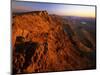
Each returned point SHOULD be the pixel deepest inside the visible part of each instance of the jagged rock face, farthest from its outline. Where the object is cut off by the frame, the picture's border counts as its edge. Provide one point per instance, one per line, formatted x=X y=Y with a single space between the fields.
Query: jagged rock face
x=41 y=45
x=30 y=25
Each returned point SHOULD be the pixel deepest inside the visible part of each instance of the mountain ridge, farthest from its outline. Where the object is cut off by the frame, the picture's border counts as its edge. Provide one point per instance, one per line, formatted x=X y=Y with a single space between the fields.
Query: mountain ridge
x=41 y=45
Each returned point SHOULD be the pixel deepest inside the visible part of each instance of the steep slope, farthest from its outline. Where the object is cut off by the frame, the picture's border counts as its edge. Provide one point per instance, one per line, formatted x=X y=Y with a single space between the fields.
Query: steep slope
x=40 y=44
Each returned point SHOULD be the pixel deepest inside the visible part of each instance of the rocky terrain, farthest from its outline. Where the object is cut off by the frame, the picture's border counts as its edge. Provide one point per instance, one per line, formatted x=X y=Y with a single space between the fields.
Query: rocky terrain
x=45 y=43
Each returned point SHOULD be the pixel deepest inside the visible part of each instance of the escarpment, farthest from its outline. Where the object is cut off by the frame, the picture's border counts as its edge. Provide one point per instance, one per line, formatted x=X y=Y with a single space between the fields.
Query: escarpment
x=40 y=44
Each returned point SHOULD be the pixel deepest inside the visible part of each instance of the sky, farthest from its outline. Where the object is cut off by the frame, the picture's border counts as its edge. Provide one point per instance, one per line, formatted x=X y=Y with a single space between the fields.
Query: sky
x=51 y=8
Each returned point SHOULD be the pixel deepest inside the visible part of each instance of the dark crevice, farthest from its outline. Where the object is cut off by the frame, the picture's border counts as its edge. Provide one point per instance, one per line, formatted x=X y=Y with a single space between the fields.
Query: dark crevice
x=27 y=50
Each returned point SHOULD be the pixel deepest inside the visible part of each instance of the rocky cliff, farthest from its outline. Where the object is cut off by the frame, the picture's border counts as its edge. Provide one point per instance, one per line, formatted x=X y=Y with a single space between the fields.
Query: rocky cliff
x=40 y=44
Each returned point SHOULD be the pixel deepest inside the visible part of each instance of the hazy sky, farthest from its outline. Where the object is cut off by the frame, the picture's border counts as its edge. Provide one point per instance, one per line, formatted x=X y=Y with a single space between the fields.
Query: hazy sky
x=59 y=9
